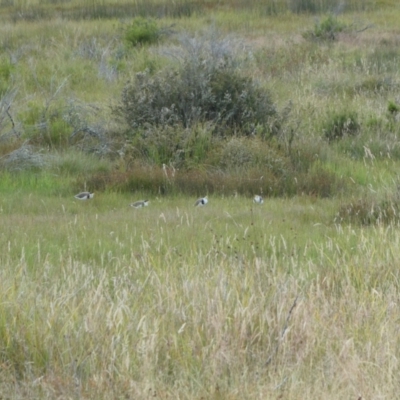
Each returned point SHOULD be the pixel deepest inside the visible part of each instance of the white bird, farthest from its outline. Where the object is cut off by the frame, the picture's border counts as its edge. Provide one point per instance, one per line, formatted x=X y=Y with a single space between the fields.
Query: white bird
x=258 y=199
x=84 y=196
x=202 y=201
x=140 y=204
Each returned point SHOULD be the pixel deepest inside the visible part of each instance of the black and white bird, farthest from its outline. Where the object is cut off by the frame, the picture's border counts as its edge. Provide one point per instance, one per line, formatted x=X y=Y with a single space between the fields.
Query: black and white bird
x=202 y=201
x=258 y=199
x=140 y=204
x=84 y=196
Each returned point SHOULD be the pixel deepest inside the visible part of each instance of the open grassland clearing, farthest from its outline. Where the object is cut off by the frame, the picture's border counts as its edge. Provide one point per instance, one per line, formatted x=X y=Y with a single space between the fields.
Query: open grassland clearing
x=100 y=300
x=296 y=298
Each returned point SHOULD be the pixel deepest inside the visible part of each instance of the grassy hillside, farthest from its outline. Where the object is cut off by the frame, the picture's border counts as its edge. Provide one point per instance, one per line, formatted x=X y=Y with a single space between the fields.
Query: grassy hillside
x=295 y=298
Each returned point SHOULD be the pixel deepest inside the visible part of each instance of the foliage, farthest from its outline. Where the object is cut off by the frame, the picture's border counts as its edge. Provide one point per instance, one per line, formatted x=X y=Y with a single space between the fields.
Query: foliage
x=192 y=95
x=327 y=29
x=393 y=107
x=199 y=92
x=142 y=31
x=341 y=124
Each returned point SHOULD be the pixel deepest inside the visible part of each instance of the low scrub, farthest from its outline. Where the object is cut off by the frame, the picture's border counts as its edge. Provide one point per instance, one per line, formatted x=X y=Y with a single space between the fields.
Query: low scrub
x=192 y=95
x=327 y=29
x=341 y=124
x=142 y=31
x=26 y=157
x=207 y=86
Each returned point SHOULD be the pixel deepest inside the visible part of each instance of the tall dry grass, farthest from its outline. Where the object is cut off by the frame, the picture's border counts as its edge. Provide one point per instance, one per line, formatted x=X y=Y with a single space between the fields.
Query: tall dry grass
x=99 y=300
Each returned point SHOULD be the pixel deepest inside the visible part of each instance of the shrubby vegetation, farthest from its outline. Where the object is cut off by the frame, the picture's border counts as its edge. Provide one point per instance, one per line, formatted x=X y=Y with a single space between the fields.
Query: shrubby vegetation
x=326 y=29
x=341 y=124
x=207 y=101
x=142 y=31
x=234 y=300
x=206 y=87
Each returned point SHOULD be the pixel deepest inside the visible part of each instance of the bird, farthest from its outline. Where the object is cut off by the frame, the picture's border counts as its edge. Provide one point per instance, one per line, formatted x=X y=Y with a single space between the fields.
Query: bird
x=140 y=204
x=202 y=201
x=84 y=196
x=258 y=199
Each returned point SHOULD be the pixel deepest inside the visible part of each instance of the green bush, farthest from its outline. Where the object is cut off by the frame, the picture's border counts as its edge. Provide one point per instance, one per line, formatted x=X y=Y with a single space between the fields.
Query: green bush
x=193 y=94
x=327 y=29
x=393 y=107
x=341 y=124
x=142 y=31
x=207 y=86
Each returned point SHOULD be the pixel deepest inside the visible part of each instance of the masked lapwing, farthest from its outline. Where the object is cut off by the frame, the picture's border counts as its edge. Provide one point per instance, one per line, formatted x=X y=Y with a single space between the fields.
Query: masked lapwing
x=258 y=199
x=84 y=196
x=202 y=201
x=140 y=204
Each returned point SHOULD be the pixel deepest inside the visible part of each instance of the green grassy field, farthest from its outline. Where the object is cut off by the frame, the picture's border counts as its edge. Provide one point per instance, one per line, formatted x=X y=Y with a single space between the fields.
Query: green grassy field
x=231 y=300
x=292 y=299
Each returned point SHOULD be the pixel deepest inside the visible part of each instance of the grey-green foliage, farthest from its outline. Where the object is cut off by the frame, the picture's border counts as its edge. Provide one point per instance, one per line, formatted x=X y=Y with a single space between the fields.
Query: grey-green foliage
x=25 y=157
x=207 y=86
x=327 y=29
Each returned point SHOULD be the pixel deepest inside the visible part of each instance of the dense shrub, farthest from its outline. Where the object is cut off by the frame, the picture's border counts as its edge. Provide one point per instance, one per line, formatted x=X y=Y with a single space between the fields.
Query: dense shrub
x=327 y=29
x=142 y=31
x=207 y=86
x=194 y=94
x=393 y=107
x=340 y=124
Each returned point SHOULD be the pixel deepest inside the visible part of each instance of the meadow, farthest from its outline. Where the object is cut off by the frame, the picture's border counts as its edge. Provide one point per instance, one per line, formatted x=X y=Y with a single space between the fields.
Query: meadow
x=291 y=299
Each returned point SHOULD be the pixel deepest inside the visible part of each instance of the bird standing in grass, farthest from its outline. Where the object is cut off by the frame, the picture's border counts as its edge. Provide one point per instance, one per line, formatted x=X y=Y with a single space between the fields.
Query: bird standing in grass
x=140 y=204
x=258 y=199
x=84 y=196
x=202 y=201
